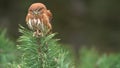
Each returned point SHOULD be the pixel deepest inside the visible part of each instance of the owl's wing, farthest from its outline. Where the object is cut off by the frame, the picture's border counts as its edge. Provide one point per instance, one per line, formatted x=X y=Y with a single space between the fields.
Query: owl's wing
x=29 y=16
x=49 y=15
x=26 y=18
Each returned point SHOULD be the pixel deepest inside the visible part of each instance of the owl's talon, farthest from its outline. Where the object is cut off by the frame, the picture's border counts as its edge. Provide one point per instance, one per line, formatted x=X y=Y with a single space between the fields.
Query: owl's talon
x=37 y=34
x=40 y=34
x=34 y=34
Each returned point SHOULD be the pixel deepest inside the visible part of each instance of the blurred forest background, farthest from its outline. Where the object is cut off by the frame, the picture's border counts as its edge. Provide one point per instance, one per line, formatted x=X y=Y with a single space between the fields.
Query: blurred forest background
x=78 y=22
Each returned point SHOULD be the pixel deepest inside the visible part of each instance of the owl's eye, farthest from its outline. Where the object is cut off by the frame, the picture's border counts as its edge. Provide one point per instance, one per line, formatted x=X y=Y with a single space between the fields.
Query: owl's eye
x=39 y=9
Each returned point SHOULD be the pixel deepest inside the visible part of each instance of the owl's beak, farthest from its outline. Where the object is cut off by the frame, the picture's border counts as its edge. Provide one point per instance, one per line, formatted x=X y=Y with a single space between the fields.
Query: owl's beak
x=35 y=12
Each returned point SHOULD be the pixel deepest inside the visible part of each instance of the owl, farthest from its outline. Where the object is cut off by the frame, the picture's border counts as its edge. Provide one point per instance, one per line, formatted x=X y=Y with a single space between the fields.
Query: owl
x=39 y=19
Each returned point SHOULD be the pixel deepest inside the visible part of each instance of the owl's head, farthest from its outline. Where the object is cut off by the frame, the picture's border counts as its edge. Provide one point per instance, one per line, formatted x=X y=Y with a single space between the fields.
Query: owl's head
x=37 y=8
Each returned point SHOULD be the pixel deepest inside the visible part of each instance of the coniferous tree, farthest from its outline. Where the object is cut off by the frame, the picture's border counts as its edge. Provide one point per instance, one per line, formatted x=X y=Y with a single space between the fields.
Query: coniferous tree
x=41 y=52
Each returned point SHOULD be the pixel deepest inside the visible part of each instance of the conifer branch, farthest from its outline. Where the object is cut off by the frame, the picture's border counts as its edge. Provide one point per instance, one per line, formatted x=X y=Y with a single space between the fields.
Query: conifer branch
x=43 y=52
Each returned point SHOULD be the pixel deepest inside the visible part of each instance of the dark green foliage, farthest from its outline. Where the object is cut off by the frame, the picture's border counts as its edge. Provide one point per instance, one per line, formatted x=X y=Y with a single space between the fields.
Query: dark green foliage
x=43 y=52
x=88 y=58
x=46 y=52
x=7 y=50
x=109 y=61
x=91 y=59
